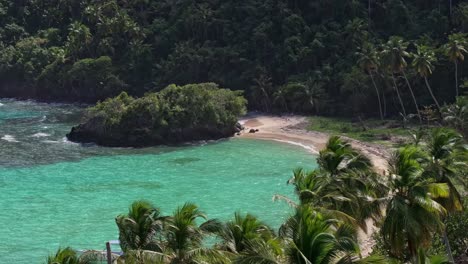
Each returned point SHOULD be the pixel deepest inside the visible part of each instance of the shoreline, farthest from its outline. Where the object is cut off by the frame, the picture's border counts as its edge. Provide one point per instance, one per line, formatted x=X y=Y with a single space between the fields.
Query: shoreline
x=292 y=130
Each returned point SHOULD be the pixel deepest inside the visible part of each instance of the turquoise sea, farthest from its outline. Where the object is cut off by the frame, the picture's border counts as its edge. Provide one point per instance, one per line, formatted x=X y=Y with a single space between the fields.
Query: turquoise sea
x=57 y=193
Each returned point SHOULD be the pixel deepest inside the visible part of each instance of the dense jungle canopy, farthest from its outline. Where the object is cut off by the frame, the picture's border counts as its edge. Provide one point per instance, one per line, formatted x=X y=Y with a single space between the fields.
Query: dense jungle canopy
x=331 y=57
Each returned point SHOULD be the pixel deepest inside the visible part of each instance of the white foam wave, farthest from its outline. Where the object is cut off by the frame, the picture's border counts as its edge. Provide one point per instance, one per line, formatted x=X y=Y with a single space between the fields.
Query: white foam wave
x=66 y=141
x=51 y=141
x=308 y=148
x=1 y=104
x=9 y=138
x=38 y=135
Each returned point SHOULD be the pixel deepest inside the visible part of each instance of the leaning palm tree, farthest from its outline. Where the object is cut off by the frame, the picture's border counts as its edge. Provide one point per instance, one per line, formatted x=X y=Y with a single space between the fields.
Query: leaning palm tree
x=386 y=61
x=412 y=213
x=350 y=197
x=138 y=229
x=455 y=50
x=311 y=237
x=394 y=55
x=344 y=186
x=446 y=163
x=368 y=61
x=423 y=62
x=185 y=237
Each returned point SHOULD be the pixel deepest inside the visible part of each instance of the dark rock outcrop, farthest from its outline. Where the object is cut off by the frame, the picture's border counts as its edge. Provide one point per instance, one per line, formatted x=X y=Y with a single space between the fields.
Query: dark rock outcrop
x=92 y=132
x=239 y=127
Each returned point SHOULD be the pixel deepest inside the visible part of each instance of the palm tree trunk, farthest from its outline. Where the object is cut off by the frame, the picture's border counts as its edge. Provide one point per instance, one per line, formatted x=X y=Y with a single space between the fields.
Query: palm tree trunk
x=398 y=94
x=384 y=100
x=413 y=251
x=432 y=94
x=450 y=9
x=414 y=98
x=456 y=78
x=369 y=13
x=378 y=95
x=266 y=100
x=447 y=246
x=384 y=104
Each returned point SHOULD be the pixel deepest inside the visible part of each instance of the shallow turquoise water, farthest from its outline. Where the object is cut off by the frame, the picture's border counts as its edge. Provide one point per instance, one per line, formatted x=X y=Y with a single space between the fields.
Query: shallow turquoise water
x=61 y=194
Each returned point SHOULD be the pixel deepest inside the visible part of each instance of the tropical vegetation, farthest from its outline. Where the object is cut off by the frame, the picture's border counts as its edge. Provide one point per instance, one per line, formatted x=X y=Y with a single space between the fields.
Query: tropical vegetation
x=417 y=205
x=174 y=115
x=333 y=57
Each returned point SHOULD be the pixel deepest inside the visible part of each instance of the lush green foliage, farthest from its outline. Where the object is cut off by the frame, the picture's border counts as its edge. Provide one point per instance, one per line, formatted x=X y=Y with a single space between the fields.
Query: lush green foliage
x=66 y=255
x=324 y=56
x=175 y=107
x=69 y=256
x=173 y=115
x=139 y=226
x=456 y=227
x=418 y=201
x=372 y=130
x=456 y=114
x=413 y=215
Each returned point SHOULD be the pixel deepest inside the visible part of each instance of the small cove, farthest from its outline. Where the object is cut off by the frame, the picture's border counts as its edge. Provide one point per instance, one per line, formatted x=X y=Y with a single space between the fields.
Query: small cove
x=56 y=193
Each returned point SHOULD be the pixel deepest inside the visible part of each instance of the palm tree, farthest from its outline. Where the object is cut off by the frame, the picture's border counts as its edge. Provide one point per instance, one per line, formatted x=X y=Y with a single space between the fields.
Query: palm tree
x=455 y=50
x=423 y=62
x=369 y=12
x=423 y=258
x=261 y=252
x=241 y=232
x=69 y=256
x=344 y=186
x=386 y=61
x=339 y=156
x=64 y=256
x=142 y=257
x=412 y=213
x=447 y=161
x=79 y=35
x=185 y=237
x=350 y=197
x=450 y=8
x=306 y=96
x=395 y=54
x=456 y=114
x=368 y=62
x=139 y=228
x=262 y=91
x=250 y=241
x=279 y=99
x=310 y=237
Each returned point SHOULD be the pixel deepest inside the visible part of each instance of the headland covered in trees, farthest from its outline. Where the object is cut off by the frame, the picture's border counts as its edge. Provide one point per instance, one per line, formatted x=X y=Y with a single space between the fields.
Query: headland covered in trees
x=172 y=116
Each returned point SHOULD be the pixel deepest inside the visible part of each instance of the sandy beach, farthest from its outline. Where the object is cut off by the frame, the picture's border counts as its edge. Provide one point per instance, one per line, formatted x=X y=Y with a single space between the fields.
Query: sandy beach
x=292 y=130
